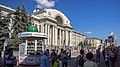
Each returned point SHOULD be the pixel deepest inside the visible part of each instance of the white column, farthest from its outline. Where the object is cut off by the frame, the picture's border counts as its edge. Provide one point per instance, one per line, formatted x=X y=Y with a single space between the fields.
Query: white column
x=26 y=47
x=63 y=38
x=53 y=35
x=66 y=43
x=56 y=36
x=35 y=45
x=43 y=45
x=48 y=33
x=60 y=36
x=70 y=39
x=42 y=28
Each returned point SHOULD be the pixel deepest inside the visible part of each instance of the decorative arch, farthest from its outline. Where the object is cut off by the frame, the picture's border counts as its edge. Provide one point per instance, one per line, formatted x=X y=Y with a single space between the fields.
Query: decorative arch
x=59 y=20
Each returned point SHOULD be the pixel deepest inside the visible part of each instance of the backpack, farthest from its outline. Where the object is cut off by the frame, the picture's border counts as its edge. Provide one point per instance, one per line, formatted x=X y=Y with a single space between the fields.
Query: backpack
x=81 y=60
x=53 y=55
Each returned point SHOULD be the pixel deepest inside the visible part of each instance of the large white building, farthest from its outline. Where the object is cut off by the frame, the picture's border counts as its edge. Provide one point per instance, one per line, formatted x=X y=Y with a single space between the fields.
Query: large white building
x=58 y=29
x=56 y=26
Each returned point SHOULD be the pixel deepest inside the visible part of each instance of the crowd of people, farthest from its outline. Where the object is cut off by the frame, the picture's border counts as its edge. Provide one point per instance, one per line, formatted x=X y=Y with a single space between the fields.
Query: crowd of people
x=61 y=58
x=57 y=59
x=110 y=56
x=89 y=59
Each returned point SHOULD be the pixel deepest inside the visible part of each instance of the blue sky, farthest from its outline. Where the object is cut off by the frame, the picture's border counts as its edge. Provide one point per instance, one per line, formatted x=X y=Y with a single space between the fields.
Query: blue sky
x=100 y=17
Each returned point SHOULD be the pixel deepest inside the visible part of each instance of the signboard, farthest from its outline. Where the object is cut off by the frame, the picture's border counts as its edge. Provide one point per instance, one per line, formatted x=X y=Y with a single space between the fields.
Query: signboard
x=32 y=34
x=22 y=49
x=30 y=60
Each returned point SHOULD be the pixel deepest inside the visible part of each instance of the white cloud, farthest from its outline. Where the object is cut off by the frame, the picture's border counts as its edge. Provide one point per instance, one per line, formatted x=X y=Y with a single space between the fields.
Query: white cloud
x=88 y=32
x=45 y=3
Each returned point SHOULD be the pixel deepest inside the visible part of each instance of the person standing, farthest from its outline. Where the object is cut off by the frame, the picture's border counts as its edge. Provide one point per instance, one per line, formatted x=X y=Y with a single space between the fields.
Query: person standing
x=44 y=62
x=98 y=55
x=80 y=59
x=103 y=52
x=113 y=59
x=89 y=62
x=107 y=57
x=48 y=53
x=1 y=59
x=10 y=59
x=64 y=59
x=53 y=56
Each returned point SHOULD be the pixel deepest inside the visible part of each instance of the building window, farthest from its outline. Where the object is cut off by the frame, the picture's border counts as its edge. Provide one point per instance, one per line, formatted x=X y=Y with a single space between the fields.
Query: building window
x=39 y=28
x=59 y=20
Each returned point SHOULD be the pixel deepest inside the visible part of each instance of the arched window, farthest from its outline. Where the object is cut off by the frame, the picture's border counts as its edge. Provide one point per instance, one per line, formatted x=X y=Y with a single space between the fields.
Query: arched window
x=59 y=20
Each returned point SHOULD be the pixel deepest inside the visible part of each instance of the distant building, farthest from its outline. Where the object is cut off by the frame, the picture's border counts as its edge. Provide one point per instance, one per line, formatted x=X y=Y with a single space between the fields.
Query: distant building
x=93 y=43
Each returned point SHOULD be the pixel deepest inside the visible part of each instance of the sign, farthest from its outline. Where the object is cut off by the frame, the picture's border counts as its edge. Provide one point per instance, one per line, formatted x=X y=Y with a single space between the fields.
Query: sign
x=30 y=60
x=22 y=49
x=32 y=34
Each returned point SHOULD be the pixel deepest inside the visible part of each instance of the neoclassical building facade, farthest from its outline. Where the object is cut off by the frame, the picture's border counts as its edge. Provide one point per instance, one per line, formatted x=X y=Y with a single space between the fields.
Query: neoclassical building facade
x=58 y=29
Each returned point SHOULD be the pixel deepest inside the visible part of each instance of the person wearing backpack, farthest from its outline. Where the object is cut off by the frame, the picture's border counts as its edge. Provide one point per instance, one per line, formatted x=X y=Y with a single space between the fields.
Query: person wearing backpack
x=64 y=59
x=57 y=62
x=10 y=59
x=53 y=56
x=89 y=62
x=80 y=59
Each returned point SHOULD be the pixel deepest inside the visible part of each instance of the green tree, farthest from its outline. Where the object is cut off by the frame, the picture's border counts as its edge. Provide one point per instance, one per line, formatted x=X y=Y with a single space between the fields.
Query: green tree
x=81 y=44
x=16 y=27
x=25 y=18
x=22 y=19
x=4 y=26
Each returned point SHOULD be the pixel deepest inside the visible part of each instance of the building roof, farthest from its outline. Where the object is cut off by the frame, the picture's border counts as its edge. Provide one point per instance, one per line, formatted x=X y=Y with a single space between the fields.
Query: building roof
x=6 y=8
x=52 y=14
x=94 y=38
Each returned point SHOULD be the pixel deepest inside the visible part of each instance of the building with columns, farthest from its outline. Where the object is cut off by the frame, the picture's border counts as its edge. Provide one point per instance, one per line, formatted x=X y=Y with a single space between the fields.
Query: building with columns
x=58 y=29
